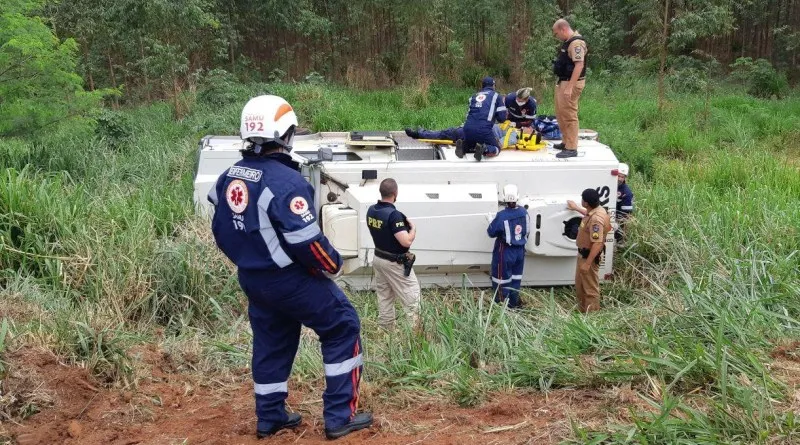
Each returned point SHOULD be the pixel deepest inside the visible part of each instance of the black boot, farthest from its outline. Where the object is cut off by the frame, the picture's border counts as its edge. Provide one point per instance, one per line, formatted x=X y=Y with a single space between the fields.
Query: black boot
x=560 y=146
x=412 y=133
x=359 y=422
x=265 y=430
x=460 y=148
x=567 y=154
x=480 y=150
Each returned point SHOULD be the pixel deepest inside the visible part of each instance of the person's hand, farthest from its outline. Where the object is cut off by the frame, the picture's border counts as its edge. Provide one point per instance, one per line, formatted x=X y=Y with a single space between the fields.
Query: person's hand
x=513 y=125
x=331 y=276
x=585 y=266
x=567 y=90
x=572 y=205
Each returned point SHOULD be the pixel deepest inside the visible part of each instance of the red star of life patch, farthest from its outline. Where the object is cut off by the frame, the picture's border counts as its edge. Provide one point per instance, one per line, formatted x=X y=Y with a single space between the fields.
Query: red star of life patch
x=237 y=196
x=298 y=205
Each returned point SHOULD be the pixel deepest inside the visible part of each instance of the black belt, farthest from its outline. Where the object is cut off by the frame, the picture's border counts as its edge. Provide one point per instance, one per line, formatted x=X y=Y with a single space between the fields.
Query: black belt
x=584 y=253
x=388 y=256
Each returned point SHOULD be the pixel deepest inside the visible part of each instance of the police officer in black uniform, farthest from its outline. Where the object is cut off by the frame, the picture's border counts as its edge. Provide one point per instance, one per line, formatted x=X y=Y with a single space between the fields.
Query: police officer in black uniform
x=393 y=235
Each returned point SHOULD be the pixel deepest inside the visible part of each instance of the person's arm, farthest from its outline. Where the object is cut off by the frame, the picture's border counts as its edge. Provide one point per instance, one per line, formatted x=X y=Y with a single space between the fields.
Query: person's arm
x=597 y=238
x=500 y=111
x=405 y=232
x=577 y=51
x=531 y=114
x=296 y=220
x=495 y=228
x=573 y=206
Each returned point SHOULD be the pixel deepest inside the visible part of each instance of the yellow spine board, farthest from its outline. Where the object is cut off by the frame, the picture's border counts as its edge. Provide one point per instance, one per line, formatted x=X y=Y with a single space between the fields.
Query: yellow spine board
x=437 y=141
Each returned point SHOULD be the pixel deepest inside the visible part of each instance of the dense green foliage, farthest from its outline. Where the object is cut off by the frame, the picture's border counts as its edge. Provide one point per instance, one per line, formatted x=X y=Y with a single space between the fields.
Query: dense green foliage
x=159 y=48
x=39 y=86
x=100 y=245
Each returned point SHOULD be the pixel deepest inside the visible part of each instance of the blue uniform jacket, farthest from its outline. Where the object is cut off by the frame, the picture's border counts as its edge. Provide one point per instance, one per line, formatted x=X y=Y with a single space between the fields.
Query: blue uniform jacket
x=521 y=114
x=264 y=217
x=624 y=200
x=485 y=108
x=511 y=226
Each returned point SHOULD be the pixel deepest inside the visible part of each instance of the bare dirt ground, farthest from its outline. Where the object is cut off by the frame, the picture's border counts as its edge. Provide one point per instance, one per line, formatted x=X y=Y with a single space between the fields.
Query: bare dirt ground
x=169 y=408
x=176 y=408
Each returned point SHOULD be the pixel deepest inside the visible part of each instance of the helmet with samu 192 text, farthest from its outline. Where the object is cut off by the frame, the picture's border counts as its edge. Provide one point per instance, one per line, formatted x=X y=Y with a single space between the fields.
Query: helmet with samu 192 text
x=268 y=119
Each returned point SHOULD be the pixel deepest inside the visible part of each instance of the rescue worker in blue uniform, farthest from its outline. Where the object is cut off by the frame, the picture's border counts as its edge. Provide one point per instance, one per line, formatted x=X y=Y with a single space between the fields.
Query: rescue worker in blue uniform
x=521 y=108
x=624 y=203
x=506 y=138
x=510 y=228
x=448 y=134
x=265 y=222
x=485 y=108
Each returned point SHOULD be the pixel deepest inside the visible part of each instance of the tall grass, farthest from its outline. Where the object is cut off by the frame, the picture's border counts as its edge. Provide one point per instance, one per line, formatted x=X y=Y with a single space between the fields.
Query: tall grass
x=97 y=231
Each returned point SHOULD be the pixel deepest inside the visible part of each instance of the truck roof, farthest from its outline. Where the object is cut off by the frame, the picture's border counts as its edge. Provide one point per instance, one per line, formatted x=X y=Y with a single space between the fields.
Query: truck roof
x=408 y=149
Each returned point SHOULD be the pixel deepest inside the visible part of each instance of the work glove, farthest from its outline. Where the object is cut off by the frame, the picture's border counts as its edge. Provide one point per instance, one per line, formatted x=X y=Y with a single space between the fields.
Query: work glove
x=331 y=276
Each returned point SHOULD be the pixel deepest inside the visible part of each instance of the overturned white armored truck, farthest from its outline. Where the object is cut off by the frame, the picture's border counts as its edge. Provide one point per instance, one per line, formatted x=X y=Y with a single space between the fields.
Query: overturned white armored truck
x=451 y=200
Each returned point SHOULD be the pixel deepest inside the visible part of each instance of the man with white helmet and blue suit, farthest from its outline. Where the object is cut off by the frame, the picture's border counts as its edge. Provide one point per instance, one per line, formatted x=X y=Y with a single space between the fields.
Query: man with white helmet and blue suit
x=510 y=228
x=624 y=203
x=265 y=222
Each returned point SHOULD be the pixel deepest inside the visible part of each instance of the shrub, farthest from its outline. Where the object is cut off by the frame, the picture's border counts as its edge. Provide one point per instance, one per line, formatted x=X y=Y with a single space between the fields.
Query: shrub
x=760 y=77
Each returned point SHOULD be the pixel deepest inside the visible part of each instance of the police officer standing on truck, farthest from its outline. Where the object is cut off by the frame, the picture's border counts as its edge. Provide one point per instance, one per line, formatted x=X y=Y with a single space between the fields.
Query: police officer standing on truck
x=392 y=233
x=265 y=222
x=591 y=243
x=510 y=228
x=570 y=69
x=486 y=107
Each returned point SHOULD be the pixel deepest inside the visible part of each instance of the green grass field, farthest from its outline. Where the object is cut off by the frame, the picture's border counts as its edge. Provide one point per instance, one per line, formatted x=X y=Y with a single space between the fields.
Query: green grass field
x=100 y=252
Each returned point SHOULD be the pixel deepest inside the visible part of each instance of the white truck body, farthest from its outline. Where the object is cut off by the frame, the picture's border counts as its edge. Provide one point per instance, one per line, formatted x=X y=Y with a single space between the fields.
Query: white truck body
x=451 y=201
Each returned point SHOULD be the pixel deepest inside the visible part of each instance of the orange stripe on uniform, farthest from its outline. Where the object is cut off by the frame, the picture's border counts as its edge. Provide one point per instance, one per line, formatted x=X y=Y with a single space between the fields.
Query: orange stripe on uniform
x=317 y=256
x=325 y=255
x=355 y=376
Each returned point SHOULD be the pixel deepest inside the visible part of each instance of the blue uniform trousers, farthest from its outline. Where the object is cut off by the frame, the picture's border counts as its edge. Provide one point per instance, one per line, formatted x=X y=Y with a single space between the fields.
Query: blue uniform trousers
x=280 y=301
x=507 y=264
x=484 y=135
x=449 y=134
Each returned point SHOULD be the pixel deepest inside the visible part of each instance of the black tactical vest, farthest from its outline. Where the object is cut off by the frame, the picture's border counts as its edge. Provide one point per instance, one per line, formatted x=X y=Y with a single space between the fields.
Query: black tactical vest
x=563 y=66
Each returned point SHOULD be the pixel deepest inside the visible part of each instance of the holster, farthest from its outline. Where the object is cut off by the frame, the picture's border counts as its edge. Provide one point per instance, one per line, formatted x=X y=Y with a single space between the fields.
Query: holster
x=406 y=259
x=408 y=262
x=584 y=253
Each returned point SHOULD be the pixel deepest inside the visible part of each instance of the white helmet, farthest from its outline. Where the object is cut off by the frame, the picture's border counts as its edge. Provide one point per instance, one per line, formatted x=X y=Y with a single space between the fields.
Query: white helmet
x=510 y=193
x=624 y=169
x=268 y=119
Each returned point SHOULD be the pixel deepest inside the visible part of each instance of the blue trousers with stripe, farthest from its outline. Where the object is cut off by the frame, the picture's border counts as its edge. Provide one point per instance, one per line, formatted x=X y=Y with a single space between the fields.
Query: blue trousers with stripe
x=279 y=303
x=507 y=264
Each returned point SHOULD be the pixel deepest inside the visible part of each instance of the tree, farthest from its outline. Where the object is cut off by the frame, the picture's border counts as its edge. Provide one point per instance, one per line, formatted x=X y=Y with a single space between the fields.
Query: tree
x=39 y=85
x=667 y=27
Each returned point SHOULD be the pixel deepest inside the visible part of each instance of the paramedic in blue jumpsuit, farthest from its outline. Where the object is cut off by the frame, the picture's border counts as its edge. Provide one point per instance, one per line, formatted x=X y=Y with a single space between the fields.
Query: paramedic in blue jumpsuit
x=510 y=228
x=624 y=203
x=265 y=223
x=521 y=108
x=485 y=108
